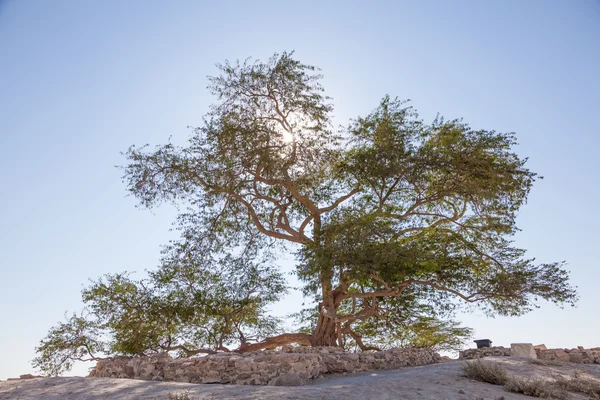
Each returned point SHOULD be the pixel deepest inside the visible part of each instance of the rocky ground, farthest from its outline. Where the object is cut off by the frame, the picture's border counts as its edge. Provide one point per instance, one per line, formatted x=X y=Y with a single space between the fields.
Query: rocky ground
x=434 y=382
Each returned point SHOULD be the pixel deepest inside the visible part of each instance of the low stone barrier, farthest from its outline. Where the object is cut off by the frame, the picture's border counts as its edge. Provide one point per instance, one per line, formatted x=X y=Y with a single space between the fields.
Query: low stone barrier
x=496 y=351
x=288 y=367
x=578 y=355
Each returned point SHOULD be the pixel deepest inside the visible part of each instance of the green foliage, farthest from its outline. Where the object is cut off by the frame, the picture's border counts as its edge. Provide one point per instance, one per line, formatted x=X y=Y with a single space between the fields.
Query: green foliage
x=77 y=339
x=227 y=297
x=183 y=308
x=418 y=331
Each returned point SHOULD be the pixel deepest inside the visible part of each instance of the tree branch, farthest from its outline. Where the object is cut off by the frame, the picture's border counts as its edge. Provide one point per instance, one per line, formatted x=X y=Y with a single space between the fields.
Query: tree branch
x=339 y=201
x=276 y=341
x=188 y=352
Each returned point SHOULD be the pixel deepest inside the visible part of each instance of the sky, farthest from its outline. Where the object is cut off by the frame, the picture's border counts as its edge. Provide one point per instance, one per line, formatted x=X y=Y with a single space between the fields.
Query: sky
x=81 y=81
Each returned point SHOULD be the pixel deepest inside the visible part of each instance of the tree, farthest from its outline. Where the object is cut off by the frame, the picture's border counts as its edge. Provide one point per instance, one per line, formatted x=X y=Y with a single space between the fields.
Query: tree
x=77 y=339
x=395 y=224
x=388 y=209
x=183 y=308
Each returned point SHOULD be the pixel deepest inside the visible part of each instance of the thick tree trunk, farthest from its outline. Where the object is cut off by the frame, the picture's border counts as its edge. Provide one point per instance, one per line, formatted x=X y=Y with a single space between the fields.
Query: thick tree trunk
x=326 y=331
x=325 y=334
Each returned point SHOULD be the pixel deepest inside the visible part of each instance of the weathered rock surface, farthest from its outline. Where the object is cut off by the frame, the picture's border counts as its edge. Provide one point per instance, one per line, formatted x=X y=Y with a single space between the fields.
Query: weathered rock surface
x=289 y=367
x=431 y=382
x=523 y=350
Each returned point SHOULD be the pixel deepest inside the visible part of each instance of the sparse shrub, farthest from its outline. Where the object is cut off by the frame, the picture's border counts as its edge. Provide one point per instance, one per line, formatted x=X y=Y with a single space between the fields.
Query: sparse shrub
x=580 y=385
x=535 y=388
x=485 y=372
x=560 y=388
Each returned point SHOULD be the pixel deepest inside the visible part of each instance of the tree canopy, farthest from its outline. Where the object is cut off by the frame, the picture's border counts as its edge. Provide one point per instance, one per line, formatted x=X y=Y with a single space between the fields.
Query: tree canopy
x=395 y=223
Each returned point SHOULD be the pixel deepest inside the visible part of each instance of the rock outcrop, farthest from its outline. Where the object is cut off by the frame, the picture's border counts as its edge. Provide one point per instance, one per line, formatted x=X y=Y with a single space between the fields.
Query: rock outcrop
x=288 y=367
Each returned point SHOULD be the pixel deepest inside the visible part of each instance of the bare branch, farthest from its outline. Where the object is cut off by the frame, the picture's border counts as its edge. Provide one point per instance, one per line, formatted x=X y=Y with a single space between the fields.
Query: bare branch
x=358 y=339
x=339 y=201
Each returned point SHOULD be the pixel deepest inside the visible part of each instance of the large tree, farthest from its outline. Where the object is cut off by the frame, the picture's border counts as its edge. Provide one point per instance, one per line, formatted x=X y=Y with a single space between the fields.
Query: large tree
x=388 y=215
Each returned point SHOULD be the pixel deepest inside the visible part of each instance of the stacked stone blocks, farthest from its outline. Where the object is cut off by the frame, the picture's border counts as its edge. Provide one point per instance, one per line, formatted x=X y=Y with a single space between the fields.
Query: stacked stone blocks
x=579 y=355
x=290 y=366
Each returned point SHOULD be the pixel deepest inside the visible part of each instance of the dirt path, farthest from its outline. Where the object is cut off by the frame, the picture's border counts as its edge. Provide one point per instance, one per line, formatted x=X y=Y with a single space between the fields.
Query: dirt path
x=431 y=382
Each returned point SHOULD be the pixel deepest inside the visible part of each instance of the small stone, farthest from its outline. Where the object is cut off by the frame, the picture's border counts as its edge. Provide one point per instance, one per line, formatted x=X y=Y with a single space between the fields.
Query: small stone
x=576 y=358
x=28 y=376
x=561 y=355
x=289 y=379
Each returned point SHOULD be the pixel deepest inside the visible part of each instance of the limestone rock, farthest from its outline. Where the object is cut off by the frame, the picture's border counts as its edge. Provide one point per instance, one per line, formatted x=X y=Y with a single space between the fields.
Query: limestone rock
x=29 y=376
x=289 y=379
x=540 y=347
x=523 y=350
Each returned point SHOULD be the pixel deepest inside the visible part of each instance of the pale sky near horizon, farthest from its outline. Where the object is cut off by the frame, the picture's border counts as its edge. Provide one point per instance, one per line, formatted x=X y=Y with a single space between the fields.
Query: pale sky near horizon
x=81 y=81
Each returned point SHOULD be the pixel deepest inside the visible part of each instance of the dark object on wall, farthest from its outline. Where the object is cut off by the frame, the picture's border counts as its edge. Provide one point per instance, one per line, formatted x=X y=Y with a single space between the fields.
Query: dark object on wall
x=483 y=343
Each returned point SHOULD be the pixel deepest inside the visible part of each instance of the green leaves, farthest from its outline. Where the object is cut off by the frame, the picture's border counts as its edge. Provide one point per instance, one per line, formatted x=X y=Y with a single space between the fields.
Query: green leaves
x=77 y=339
x=186 y=306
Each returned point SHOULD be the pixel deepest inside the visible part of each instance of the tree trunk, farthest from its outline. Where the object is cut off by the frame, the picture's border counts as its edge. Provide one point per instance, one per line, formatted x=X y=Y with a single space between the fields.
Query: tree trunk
x=325 y=334
x=326 y=331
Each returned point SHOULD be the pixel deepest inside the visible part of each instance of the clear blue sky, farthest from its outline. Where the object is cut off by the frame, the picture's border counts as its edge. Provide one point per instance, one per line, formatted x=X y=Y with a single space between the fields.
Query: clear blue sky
x=80 y=81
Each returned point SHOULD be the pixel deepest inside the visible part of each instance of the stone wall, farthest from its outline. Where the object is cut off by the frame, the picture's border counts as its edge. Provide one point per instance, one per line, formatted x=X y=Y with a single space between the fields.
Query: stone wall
x=290 y=366
x=578 y=355
x=496 y=351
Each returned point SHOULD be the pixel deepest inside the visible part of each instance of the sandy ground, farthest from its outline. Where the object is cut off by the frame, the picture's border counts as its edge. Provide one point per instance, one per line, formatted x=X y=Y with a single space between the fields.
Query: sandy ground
x=431 y=382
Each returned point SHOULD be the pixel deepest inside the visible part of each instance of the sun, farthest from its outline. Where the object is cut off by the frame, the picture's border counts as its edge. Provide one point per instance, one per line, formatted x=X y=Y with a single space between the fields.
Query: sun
x=288 y=137
x=292 y=123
